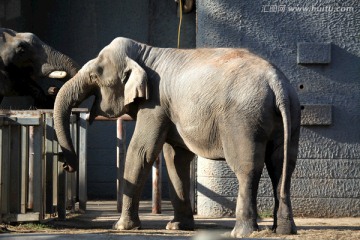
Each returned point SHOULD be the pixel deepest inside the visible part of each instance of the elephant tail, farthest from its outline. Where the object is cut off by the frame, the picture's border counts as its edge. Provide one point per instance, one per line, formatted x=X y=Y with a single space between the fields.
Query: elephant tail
x=284 y=109
x=283 y=103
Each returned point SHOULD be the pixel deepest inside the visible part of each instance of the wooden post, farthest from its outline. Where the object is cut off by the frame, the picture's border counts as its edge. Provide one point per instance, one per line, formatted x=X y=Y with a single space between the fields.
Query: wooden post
x=49 y=163
x=38 y=170
x=75 y=176
x=83 y=124
x=15 y=165
x=71 y=177
x=30 y=204
x=61 y=197
x=156 y=188
x=1 y=169
x=24 y=167
x=57 y=165
x=4 y=169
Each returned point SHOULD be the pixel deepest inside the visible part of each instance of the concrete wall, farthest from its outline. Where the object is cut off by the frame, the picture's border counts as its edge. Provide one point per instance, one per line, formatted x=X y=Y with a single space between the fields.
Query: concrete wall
x=318 y=50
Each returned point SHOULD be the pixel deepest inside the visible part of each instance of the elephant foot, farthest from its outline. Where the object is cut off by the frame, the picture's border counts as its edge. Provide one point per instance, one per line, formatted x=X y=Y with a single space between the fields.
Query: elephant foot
x=244 y=228
x=285 y=226
x=127 y=224
x=181 y=225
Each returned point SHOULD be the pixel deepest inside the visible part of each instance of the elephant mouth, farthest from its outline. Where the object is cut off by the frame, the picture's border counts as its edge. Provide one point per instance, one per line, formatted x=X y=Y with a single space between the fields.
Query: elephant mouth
x=57 y=74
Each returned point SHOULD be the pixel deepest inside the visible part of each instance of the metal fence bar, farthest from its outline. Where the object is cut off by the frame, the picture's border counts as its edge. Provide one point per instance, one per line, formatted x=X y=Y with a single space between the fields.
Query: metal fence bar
x=193 y=185
x=120 y=161
x=156 y=185
x=83 y=124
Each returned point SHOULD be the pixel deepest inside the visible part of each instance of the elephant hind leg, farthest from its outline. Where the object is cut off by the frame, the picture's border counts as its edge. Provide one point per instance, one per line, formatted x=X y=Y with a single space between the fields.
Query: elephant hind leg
x=283 y=217
x=178 y=165
x=246 y=158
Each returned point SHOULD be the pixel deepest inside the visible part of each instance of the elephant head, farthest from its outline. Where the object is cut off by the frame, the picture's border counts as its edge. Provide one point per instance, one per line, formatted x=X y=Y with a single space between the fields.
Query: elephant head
x=25 y=58
x=116 y=81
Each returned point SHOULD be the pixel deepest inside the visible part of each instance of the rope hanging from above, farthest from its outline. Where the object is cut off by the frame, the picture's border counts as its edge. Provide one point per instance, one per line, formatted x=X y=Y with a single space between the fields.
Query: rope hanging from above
x=185 y=6
x=180 y=22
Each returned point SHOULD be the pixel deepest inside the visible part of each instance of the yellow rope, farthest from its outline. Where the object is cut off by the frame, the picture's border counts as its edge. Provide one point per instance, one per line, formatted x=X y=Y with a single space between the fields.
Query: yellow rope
x=180 y=21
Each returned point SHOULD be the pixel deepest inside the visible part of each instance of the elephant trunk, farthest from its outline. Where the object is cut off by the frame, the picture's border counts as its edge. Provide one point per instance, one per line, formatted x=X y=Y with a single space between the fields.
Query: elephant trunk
x=70 y=95
x=59 y=62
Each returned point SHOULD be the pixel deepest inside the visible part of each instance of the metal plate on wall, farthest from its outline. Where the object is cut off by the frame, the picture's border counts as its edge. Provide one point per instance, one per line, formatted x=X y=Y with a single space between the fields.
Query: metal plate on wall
x=316 y=114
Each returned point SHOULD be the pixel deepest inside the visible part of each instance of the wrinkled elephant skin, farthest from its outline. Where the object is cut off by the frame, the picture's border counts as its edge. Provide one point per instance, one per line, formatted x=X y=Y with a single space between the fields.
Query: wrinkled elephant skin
x=24 y=58
x=223 y=104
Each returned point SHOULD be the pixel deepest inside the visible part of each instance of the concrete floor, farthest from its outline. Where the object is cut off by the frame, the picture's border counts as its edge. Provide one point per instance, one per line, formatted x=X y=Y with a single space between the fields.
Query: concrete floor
x=96 y=223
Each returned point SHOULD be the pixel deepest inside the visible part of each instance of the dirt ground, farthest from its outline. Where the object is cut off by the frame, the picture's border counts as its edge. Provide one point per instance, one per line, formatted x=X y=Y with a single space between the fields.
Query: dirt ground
x=100 y=216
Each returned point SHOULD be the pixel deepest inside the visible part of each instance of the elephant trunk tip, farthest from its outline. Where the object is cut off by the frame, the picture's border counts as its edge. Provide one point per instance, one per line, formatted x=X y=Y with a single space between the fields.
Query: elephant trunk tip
x=69 y=168
x=69 y=162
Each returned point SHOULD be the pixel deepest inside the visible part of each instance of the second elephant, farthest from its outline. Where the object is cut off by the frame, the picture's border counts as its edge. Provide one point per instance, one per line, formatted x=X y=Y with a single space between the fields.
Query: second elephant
x=222 y=103
x=24 y=59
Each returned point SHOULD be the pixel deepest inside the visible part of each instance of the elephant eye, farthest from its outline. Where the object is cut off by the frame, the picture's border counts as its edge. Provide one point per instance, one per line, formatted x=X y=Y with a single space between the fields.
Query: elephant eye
x=99 y=70
x=19 y=50
x=21 y=47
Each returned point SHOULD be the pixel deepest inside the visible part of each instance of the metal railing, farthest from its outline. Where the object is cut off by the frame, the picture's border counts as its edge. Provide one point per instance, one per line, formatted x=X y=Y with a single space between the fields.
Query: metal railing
x=33 y=183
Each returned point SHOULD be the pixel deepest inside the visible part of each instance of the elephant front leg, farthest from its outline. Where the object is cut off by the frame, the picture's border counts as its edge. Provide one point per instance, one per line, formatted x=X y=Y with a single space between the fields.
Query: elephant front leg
x=144 y=147
x=135 y=174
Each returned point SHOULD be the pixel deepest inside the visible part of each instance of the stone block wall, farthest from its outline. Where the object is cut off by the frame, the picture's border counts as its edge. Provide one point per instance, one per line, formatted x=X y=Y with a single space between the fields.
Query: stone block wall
x=317 y=45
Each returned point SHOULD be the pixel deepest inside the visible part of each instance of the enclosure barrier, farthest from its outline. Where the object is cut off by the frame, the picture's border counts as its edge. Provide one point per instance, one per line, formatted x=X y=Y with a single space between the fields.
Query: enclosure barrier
x=33 y=183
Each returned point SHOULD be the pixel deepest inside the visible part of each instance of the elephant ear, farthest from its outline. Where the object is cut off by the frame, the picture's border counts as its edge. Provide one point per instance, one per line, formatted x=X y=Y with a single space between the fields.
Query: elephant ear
x=136 y=85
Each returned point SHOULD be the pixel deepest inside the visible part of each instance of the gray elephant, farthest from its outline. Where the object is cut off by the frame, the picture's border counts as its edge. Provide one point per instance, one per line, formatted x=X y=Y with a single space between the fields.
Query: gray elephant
x=224 y=104
x=24 y=58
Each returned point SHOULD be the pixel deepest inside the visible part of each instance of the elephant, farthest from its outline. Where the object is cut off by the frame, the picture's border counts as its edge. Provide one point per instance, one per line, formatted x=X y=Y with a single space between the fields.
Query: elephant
x=24 y=58
x=218 y=103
